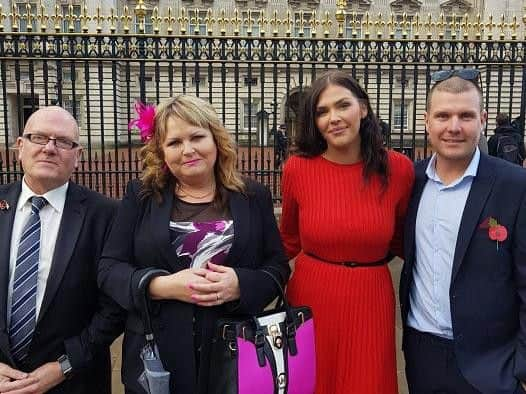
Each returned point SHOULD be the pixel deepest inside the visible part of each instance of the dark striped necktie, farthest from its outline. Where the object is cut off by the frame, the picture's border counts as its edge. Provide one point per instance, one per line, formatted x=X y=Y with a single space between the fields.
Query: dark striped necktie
x=23 y=299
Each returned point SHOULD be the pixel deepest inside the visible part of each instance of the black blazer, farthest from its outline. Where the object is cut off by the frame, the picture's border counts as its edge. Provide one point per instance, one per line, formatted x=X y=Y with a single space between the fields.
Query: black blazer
x=488 y=285
x=139 y=241
x=75 y=318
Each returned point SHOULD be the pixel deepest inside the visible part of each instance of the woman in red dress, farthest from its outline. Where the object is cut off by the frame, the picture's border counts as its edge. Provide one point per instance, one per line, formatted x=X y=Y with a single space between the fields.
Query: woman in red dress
x=344 y=202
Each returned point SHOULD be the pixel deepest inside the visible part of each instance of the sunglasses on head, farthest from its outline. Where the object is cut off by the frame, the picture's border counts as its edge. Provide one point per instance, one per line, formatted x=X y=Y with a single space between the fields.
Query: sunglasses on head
x=469 y=74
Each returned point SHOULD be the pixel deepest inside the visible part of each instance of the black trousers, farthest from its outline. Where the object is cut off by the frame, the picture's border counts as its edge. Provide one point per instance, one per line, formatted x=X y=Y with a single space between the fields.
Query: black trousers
x=431 y=366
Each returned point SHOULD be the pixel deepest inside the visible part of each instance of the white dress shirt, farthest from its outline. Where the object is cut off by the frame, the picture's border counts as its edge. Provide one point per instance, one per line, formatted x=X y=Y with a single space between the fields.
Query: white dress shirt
x=50 y=217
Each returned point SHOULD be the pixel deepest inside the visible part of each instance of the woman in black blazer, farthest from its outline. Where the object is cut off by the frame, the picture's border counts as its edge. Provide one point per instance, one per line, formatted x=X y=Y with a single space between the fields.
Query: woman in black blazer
x=201 y=233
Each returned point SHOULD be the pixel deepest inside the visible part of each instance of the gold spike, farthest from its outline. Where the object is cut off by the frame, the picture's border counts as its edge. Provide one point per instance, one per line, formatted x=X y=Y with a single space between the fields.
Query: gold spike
x=99 y=18
x=406 y=25
x=326 y=24
x=57 y=19
x=156 y=20
x=209 y=21
x=300 y=23
x=465 y=26
x=392 y=26
x=275 y=22
x=502 y=25
x=112 y=18
x=340 y=15
x=428 y=24
x=262 y=22
x=29 y=16
x=43 y=17
x=416 y=25
x=380 y=24
x=222 y=21
x=183 y=20
x=15 y=18
x=441 y=26
x=196 y=21
x=236 y=21
x=514 y=26
x=314 y=23
x=453 y=26
x=170 y=21
x=354 y=22
x=126 y=18
x=140 y=15
x=249 y=21
x=2 y=18
x=84 y=18
x=479 y=27
x=490 y=25
x=70 y=18
x=367 y=23
x=288 y=22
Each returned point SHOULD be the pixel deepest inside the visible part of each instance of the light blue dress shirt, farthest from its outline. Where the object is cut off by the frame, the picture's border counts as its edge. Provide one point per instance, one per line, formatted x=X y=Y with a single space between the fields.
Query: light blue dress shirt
x=437 y=225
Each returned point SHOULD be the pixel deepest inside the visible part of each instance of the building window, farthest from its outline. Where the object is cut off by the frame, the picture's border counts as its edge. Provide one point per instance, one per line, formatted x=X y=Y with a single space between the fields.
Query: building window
x=254 y=18
x=148 y=25
x=453 y=26
x=197 y=23
x=22 y=11
x=353 y=25
x=302 y=26
x=76 y=18
x=250 y=110
x=400 y=106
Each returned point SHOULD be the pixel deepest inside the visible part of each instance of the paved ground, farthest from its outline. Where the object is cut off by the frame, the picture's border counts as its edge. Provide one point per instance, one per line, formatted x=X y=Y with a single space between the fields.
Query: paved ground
x=395 y=271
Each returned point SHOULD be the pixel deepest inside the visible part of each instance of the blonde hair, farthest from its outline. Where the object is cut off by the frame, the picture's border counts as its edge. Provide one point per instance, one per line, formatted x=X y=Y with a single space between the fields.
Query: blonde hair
x=197 y=112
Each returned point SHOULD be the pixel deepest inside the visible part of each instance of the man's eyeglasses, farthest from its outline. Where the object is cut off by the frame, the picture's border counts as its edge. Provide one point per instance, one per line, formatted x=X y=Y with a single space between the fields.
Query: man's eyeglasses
x=40 y=139
x=469 y=74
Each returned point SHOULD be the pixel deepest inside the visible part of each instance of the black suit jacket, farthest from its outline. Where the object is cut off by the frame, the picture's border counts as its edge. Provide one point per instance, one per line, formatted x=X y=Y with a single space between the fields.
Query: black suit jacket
x=488 y=284
x=139 y=240
x=75 y=318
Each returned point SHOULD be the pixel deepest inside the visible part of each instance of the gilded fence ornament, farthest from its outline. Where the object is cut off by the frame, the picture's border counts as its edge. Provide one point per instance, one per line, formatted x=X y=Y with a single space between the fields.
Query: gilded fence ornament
x=140 y=15
x=222 y=22
x=236 y=22
x=428 y=24
x=57 y=19
x=84 y=19
x=70 y=18
x=15 y=18
x=99 y=19
x=262 y=22
x=126 y=19
x=502 y=25
x=113 y=19
x=453 y=26
x=314 y=23
x=2 y=18
x=366 y=25
x=380 y=25
x=170 y=21
x=441 y=26
x=183 y=20
x=391 y=25
x=416 y=25
x=465 y=26
x=249 y=22
x=28 y=16
x=196 y=21
x=479 y=27
x=513 y=27
x=406 y=26
x=301 y=24
x=354 y=23
x=490 y=25
x=42 y=17
x=340 y=15
x=326 y=23
x=288 y=22
x=524 y=22
x=209 y=22
x=156 y=20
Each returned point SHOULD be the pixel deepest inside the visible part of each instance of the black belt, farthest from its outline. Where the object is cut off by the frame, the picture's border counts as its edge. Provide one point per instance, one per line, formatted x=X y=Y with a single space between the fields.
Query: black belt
x=354 y=264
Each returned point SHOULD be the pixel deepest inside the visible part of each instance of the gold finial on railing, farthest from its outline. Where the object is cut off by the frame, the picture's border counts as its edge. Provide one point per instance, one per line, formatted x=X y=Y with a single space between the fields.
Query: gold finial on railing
x=326 y=23
x=170 y=21
x=441 y=26
x=84 y=19
x=416 y=25
x=478 y=26
x=340 y=15
x=156 y=20
x=502 y=25
x=113 y=19
x=391 y=24
x=15 y=17
x=70 y=18
x=366 y=25
x=314 y=23
x=300 y=24
x=275 y=22
x=57 y=19
x=354 y=22
x=99 y=18
x=262 y=22
x=428 y=24
x=406 y=25
x=196 y=21
x=222 y=22
x=465 y=26
x=209 y=22
x=2 y=17
x=43 y=17
x=126 y=19
x=288 y=22
x=249 y=21
x=490 y=25
x=380 y=24
x=514 y=26
x=29 y=17
x=140 y=15
x=236 y=21
x=453 y=25
x=183 y=20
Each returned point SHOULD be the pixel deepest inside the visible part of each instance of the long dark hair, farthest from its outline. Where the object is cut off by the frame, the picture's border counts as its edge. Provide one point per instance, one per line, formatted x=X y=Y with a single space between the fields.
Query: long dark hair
x=310 y=142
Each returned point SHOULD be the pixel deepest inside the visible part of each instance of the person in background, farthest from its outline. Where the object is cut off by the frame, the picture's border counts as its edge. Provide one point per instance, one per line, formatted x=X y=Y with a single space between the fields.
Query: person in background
x=199 y=233
x=508 y=142
x=344 y=203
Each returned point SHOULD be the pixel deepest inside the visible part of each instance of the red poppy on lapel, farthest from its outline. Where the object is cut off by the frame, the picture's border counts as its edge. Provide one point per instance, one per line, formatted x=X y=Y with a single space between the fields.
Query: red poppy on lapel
x=496 y=232
x=4 y=205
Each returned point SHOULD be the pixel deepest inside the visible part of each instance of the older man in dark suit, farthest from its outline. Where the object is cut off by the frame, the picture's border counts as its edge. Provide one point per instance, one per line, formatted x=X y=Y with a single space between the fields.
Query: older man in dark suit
x=463 y=285
x=55 y=326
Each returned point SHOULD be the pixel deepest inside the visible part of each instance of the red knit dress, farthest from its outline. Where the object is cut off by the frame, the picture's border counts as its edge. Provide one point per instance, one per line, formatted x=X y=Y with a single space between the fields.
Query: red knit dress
x=330 y=212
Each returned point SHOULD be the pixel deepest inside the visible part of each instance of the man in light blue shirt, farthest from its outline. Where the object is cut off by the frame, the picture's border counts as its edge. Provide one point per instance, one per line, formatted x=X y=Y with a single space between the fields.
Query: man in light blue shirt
x=463 y=285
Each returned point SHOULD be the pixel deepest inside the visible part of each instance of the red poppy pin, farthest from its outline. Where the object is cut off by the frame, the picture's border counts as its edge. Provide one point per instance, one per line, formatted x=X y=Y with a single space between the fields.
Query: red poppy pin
x=496 y=232
x=4 y=205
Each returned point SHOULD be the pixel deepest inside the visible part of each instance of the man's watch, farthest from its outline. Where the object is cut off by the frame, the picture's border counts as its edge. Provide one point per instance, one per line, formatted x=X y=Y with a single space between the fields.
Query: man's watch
x=65 y=366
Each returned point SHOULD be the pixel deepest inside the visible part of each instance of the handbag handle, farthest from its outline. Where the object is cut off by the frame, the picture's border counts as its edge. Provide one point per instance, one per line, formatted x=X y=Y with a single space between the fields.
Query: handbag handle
x=144 y=282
